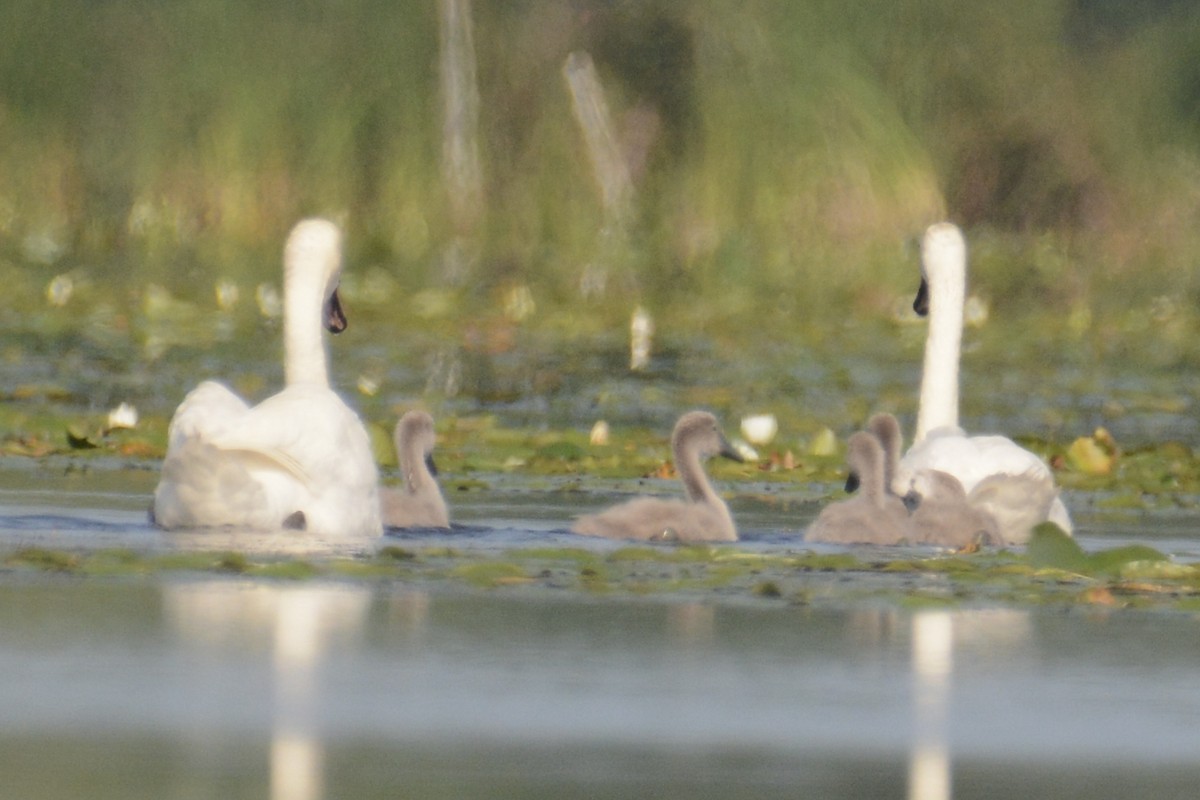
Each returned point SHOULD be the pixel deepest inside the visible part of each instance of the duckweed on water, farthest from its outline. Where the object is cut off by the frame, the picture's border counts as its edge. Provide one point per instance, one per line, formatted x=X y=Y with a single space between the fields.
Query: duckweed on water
x=42 y=559
x=391 y=553
x=1053 y=572
x=492 y=574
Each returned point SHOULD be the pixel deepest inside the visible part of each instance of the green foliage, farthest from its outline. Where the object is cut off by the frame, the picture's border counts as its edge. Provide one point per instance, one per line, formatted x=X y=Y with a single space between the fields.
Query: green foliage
x=1050 y=547
x=175 y=143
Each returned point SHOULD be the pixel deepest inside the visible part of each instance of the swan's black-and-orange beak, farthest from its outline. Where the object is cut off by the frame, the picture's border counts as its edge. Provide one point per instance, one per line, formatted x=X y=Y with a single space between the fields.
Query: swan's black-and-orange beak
x=335 y=318
x=921 y=303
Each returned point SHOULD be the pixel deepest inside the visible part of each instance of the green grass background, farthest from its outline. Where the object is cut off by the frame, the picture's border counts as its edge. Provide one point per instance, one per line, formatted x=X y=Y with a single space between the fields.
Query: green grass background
x=798 y=149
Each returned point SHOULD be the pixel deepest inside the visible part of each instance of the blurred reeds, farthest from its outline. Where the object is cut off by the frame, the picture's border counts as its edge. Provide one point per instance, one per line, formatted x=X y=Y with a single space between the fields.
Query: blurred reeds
x=785 y=155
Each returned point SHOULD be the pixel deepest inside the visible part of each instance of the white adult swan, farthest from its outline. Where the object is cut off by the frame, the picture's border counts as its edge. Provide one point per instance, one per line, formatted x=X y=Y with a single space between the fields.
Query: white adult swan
x=419 y=503
x=1018 y=480
x=702 y=517
x=299 y=459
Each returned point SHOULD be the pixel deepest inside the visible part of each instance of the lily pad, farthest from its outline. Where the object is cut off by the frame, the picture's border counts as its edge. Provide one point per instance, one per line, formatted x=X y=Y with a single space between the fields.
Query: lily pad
x=1049 y=546
x=1114 y=561
x=80 y=437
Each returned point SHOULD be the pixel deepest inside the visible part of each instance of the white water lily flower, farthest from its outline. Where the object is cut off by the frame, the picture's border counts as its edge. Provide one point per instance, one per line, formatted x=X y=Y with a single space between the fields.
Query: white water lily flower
x=759 y=428
x=599 y=434
x=745 y=450
x=368 y=385
x=123 y=416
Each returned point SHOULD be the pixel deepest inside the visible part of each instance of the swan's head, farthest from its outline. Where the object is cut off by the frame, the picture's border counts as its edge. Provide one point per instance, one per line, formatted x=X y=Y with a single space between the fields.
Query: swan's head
x=313 y=257
x=414 y=434
x=699 y=431
x=864 y=457
x=886 y=429
x=943 y=261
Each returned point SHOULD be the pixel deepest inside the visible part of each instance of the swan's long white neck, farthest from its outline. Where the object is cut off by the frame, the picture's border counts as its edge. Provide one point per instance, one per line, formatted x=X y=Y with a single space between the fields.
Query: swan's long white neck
x=939 y=378
x=304 y=358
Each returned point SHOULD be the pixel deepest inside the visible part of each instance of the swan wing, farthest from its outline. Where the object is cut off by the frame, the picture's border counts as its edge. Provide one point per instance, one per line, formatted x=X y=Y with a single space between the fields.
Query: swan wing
x=858 y=521
x=425 y=508
x=656 y=519
x=968 y=458
x=206 y=411
x=266 y=457
x=1016 y=502
x=306 y=451
x=308 y=432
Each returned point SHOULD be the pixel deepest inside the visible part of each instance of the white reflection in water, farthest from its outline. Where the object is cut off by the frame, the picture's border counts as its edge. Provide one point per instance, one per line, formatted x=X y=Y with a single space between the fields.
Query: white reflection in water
x=692 y=623
x=303 y=624
x=932 y=665
x=936 y=637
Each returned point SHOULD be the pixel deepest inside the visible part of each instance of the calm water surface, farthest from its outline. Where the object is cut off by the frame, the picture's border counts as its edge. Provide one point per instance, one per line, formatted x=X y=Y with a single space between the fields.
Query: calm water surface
x=203 y=687
x=222 y=688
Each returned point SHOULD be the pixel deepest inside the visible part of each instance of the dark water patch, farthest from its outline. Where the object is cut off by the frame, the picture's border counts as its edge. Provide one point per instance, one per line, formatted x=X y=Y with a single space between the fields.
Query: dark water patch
x=16 y=523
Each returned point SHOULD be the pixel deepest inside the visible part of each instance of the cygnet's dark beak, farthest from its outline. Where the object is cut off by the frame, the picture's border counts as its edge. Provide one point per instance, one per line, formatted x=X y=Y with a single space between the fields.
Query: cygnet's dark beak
x=921 y=302
x=335 y=318
x=911 y=501
x=429 y=462
x=728 y=451
x=852 y=483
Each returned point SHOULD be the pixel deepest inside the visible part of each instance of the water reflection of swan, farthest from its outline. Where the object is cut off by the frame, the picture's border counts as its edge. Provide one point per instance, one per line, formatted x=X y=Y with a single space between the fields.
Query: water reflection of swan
x=692 y=623
x=303 y=625
x=702 y=517
x=299 y=459
x=939 y=444
x=932 y=667
x=937 y=636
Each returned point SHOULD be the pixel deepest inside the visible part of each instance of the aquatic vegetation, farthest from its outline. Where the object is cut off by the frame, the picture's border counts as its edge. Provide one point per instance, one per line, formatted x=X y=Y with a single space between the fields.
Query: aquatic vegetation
x=44 y=560
x=1053 y=572
x=492 y=574
x=1050 y=547
x=392 y=554
x=1095 y=454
